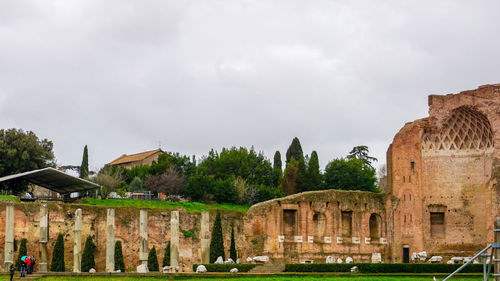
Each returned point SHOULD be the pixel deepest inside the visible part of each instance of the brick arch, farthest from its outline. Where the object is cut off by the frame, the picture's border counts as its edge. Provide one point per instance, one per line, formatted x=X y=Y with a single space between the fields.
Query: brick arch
x=465 y=130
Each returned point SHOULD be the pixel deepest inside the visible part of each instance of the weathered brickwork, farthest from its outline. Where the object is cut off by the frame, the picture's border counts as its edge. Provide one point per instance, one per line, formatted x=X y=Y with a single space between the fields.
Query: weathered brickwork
x=443 y=169
x=313 y=225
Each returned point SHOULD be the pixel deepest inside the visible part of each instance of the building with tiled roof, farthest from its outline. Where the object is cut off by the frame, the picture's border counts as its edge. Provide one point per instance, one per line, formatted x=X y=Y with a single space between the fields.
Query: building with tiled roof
x=142 y=158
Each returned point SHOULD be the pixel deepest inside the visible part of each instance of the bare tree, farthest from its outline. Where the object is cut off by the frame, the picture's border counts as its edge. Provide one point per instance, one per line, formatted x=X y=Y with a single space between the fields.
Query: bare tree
x=171 y=182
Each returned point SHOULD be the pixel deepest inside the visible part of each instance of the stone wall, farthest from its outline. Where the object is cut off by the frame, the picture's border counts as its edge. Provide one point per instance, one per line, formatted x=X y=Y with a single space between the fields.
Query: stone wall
x=443 y=170
x=62 y=220
x=314 y=225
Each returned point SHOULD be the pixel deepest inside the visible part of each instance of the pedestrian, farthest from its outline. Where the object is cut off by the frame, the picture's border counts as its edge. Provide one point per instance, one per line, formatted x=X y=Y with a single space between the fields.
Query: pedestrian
x=33 y=262
x=28 y=265
x=12 y=269
x=23 y=268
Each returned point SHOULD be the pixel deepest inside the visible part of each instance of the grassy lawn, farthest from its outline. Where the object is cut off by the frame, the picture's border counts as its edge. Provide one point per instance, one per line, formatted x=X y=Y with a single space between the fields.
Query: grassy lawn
x=9 y=197
x=190 y=207
x=283 y=278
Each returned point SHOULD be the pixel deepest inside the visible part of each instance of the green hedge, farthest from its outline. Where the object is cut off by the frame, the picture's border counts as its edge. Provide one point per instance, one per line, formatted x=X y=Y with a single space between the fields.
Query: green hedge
x=383 y=268
x=212 y=267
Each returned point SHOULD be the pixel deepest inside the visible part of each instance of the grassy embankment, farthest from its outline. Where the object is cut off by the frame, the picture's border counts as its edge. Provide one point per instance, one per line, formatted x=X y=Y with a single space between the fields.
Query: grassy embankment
x=190 y=207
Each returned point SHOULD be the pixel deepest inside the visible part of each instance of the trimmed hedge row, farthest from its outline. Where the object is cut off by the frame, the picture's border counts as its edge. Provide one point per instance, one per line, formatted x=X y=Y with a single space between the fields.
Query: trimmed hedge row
x=212 y=267
x=383 y=268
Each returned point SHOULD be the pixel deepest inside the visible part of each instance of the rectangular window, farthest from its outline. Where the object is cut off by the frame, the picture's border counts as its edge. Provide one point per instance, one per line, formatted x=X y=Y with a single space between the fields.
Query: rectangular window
x=347 y=224
x=412 y=164
x=437 y=225
x=289 y=222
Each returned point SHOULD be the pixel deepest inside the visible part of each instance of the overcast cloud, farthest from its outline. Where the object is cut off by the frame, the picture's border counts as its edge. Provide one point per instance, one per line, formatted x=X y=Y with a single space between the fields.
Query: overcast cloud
x=123 y=76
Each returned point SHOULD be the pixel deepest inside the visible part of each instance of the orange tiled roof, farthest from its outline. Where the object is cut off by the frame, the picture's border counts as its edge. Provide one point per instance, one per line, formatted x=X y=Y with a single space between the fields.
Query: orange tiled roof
x=134 y=157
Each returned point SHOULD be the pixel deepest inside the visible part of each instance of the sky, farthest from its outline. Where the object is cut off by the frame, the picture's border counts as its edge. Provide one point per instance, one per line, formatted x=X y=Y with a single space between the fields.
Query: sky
x=127 y=76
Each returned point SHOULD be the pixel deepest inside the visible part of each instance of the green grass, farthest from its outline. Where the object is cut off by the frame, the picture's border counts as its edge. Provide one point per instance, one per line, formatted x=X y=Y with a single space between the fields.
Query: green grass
x=9 y=197
x=190 y=207
x=278 y=278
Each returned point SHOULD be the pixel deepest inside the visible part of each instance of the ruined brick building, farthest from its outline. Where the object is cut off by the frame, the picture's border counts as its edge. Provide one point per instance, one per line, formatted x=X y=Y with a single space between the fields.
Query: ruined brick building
x=442 y=194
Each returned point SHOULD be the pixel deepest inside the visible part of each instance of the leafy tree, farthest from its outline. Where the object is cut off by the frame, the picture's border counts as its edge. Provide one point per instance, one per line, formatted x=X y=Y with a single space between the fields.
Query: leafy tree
x=217 y=240
x=22 y=151
x=277 y=169
x=88 y=260
x=351 y=174
x=153 y=260
x=361 y=152
x=182 y=164
x=119 y=262
x=232 y=249
x=109 y=179
x=136 y=185
x=23 y=251
x=199 y=187
x=313 y=173
x=166 y=257
x=57 y=264
x=294 y=151
x=254 y=167
x=268 y=192
x=224 y=191
x=84 y=167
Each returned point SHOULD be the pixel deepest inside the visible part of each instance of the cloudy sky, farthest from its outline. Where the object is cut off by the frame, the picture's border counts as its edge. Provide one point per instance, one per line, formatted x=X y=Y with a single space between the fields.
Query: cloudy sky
x=127 y=76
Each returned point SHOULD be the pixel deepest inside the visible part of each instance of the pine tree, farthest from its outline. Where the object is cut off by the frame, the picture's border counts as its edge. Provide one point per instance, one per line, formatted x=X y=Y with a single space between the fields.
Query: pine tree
x=153 y=260
x=23 y=251
x=313 y=173
x=277 y=169
x=88 y=260
x=232 y=249
x=217 y=241
x=57 y=263
x=84 y=167
x=295 y=151
x=119 y=263
x=166 y=257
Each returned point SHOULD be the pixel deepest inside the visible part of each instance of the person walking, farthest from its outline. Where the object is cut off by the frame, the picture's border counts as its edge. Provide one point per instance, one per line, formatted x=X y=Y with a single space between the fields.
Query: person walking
x=28 y=265
x=12 y=269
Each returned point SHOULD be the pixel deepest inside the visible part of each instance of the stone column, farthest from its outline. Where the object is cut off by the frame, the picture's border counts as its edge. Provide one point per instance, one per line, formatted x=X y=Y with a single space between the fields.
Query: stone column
x=44 y=237
x=205 y=237
x=174 y=238
x=9 y=237
x=77 y=246
x=110 y=241
x=143 y=237
x=497 y=250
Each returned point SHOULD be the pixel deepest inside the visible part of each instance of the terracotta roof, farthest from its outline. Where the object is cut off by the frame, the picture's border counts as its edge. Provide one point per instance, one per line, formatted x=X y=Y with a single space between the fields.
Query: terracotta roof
x=134 y=157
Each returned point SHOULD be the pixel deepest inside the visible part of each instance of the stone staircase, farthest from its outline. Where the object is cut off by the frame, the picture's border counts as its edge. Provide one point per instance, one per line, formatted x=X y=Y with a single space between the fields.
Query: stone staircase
x=268 y=268
x=30 y=277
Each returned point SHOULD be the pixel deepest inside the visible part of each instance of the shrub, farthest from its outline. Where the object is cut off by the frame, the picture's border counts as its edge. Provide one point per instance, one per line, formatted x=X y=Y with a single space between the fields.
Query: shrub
x=23 y=251
x=383 y=268
x=57 y=263
x=119 y=262
x=153 y=260
x=88 y=261
x=217 y=241
x=211 y=267
x=166 y=257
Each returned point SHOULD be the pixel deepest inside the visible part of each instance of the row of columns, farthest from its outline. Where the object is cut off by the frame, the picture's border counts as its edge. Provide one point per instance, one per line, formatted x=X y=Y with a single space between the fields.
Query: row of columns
x=110 y=238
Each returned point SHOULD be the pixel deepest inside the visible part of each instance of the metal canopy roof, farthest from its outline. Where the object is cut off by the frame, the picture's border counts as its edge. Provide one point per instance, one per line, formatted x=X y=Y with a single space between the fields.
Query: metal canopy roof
x=54 y=180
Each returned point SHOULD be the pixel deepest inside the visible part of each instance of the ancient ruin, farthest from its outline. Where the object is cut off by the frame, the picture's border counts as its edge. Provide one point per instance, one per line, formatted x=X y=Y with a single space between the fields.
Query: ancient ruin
x=441 y=200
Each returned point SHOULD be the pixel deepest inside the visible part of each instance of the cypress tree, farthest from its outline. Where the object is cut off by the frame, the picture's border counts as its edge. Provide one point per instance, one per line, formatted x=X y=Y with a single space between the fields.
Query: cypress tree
x=295 y=151
x=119 y=263
x=88 y=260
x=217 y=241
x=84 y=167
x=57 y=263
x=153 y=260
x=166 y=257
x=23 y=251
x=313 y=172
x=232 y=249
x=277 y=169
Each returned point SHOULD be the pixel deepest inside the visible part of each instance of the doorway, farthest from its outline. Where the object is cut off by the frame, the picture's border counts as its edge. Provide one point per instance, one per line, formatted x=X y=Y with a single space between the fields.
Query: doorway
x=406 y=254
